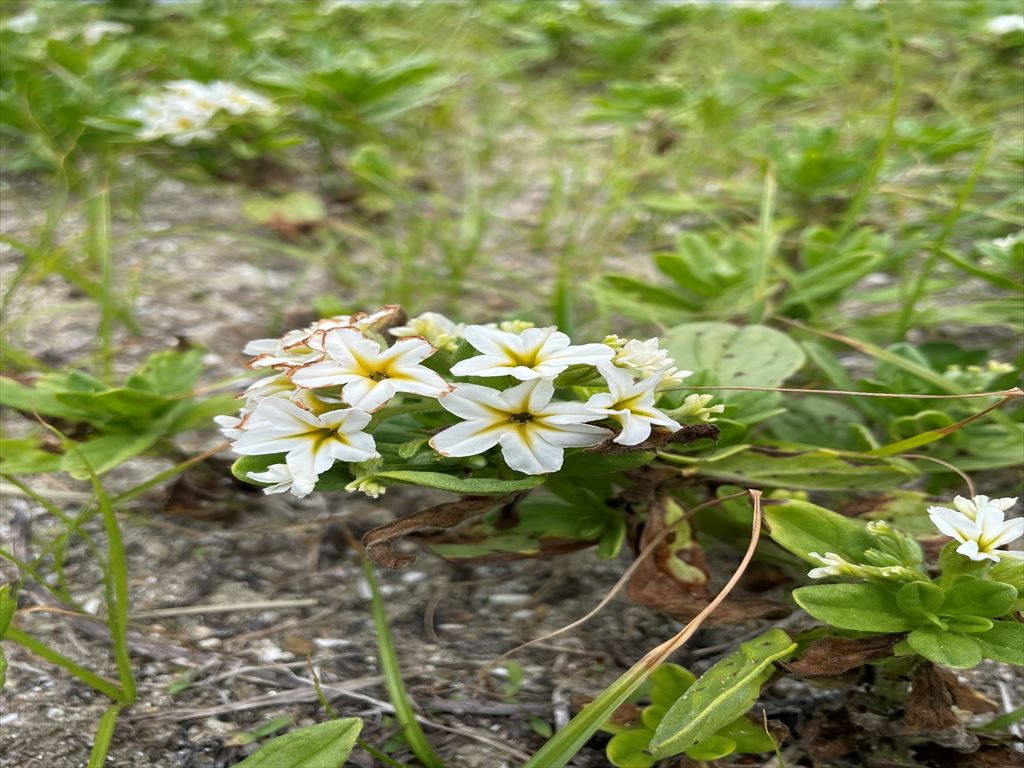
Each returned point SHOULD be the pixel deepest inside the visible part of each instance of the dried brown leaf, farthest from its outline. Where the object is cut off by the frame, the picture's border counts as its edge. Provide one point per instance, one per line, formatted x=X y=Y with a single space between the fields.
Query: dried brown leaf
x=832 y=656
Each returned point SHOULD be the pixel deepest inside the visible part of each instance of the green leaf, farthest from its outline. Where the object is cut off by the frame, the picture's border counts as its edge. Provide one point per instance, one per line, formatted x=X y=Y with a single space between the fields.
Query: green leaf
x=669 y=682
x=729 y=355
x=976 y=597
x=325 y=745
x=969 y=625
x=628 y=749
x=584 y=464
x=104 y=453
x=26 y=455
x=861 y=607
x=919 y=598
x=171 y=372
x=35 y=400
x=712 y=748
x=946 y=648
x=1009 y=570
x=1004 y=642
x=473 y=486
x=802 y=528
x=750 y=737
x=807 y=470
x=721 y=694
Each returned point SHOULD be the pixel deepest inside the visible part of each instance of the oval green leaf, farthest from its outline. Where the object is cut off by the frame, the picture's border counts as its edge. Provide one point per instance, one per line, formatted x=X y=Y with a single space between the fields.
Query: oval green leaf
x=325 y=745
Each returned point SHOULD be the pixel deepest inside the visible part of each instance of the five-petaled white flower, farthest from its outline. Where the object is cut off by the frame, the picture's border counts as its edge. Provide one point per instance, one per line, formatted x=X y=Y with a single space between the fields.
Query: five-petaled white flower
x=980 y=525
x=369 y=374
x=311 y=443
x=536 y=353
x=631 y=403
x=533 y=432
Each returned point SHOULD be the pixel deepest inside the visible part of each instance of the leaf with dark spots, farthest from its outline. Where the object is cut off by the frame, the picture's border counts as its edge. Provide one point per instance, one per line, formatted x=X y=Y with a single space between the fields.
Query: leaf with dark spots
x=832 y=656
x=437 y=518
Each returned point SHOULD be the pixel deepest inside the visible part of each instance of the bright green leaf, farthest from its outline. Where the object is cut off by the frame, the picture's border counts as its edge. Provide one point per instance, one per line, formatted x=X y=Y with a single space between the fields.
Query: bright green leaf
x=326 y=745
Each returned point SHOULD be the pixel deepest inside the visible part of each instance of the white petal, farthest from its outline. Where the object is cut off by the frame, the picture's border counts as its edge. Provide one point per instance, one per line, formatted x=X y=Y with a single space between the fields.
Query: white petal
x=355 y=446
x=368 y=395
x=970 y=549
x=1003 y=504
x=420 y=380
x=635 y=429
x=584 y=354
x=254 y=444
x=407 y=352
x=570 y=435
x=953 y=524
x=327 y=373
x=468 y=438
x=967 y=507
x=345 y=420
x=1011 y=531
x=527 y=452
x=491 y=341
x=618 y=379
x=262 y=347
x=350 y=347
x=483 y=366
x=472 y=401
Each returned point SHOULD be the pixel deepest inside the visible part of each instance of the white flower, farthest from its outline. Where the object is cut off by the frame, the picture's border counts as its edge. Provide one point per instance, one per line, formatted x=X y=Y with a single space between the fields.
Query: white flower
x=631 y=403
x=281 y=480
x=832 y=565
x=646 y=358
x=531 y=430
x=980 y=525
x=1009 y=241
x=369 y=374
x=696 y=407
x=311 y=443
x=95 y=31
x=435 y=328
x=1004 y=25
x=23 y=22
x=536 y=353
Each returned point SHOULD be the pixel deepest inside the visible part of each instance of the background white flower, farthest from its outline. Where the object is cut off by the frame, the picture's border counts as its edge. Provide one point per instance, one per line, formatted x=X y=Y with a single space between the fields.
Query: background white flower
x=535 y=353
x=533 y=432
x=980 y=525
x=281 y=480
x=95 y=31
x=1004 y=25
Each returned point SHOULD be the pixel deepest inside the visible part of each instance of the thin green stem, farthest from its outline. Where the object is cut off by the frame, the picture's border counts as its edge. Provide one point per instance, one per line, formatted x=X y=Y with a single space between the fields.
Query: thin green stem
x=98 y=214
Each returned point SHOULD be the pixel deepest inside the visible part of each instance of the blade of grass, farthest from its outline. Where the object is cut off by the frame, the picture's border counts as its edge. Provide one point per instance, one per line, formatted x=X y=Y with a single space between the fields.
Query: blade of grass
x=90 y=678
x=867 y=184
x=921 y=275
x=766 y=243
x=98 y=217
x=559 y=750
x=411 y=730
x=104 y=733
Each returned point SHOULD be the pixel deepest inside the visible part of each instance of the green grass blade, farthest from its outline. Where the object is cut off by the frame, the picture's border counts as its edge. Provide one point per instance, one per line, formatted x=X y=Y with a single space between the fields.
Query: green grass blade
x=867 y=184
x=98 y=214
x=104 y=733
x=90 y=678
x=913 y=296
x=766 y=244
x=411 y=730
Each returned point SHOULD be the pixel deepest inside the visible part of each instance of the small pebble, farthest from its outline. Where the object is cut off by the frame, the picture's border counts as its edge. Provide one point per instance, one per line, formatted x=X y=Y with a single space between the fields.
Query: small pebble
x=55 y=713
x=503 y=598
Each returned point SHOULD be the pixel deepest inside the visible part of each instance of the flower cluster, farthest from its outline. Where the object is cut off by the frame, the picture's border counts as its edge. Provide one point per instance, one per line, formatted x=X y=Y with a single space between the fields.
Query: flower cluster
x=531 y=393
x=184 y=110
